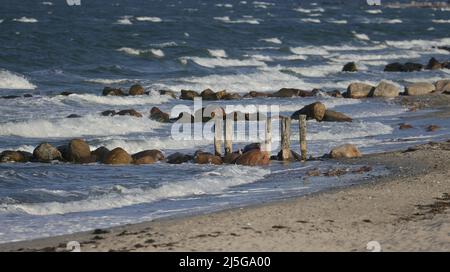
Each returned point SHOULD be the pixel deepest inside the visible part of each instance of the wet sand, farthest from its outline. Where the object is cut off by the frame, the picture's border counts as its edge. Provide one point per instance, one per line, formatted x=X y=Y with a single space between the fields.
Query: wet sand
x=407 y=210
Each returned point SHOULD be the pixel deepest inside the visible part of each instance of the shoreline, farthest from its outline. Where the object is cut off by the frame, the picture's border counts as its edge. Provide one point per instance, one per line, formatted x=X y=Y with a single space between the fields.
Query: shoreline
x=406 y=210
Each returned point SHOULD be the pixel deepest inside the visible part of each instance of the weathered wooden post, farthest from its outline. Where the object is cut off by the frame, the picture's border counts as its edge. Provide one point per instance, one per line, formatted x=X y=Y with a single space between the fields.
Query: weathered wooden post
x=268 y=136
x=229 y=132
x=302 y=132
x=285 y=138
x=218 y=136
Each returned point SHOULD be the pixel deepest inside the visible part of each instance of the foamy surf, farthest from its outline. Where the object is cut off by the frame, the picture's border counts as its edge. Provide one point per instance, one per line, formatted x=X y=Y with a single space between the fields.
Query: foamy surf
x=151 y=99
x=25 y=20
x=211 y=182
x=9 y=80
x=149 y=19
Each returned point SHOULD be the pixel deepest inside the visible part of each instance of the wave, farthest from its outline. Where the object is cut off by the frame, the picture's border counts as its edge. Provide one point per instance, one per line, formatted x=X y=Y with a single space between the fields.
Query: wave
x=336 y=132
x=361 y=36
x=47 y=3
x=309 y=20
x=339 y=22
x=244 y=20
x=151 y=99
x=302 y=10
x=217 y=53
x=220 y=5
x=374 y=11
x=272 y=40
x=25 y=20
x=317 y=70
x=91 y=125
x=222 y=62
x=149 y=19
x=106 y=81
x=441 y=21
x=211 y=182
x=418 y=44
x=124 y=20
x=9 y=80
x=309 y=50
x=137 y=52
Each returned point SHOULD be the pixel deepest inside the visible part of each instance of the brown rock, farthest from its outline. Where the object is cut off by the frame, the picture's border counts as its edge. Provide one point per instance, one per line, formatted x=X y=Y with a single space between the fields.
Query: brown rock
x=169 y=93
x=148 y=157
x=231 y=158
x=188 y=95
x=419 y=88
x=350 y=67
x=178 y=158
x=254 y=158
x=334 y=116
x=117 y=156
x=358 y=90
x=335 y=93
x=312 y=111
x=136 y=89
x=207 y=158
x=290 y=92
x=433 y=64
x=254 y=94
x=78 y=151
x=345 y=151
x=109 y=113
x=112 y=91
x=158 y=115
x=130 y=112
x=15 y=156
x=99 y=154
x=293 y=156
x=441 y=85
x=385 y=89
x=231 y=96
x=405 y=126
x=45 y=152
x=432 y=128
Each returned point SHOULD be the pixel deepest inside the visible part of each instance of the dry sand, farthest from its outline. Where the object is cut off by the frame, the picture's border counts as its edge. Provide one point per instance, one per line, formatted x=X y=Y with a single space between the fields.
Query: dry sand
x=408 y=210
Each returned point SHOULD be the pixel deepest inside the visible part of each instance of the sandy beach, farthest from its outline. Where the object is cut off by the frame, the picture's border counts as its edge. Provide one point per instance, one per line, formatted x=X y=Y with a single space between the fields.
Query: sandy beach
x=408 y=210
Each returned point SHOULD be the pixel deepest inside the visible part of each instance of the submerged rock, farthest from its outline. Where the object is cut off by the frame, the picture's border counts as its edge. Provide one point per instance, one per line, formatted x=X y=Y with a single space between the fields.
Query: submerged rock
x=45 y=152
x=112 y=91
x=117 y=156
x=334 y=116
x=158 y=115
x=345 y=151
x=419 y=88
x=293 y=156
x=148 y=157
x=73 y=116
x=178 y=158
x=136 y=89
x=407 y=67
x=207 y=158
x=188 y=95
x=404 y=126
x=434 y=64
x=254 y=158
x=168 y=93
x=231 y=158
x=350 y=67
x=15 y=156
x=290 y=92
x=312 y=111
x=432 y=128
x=130 y=112
x=254 y=94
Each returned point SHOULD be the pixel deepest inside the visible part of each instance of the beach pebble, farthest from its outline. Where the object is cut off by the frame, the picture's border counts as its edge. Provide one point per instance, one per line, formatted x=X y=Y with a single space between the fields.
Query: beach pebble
x=442 y=85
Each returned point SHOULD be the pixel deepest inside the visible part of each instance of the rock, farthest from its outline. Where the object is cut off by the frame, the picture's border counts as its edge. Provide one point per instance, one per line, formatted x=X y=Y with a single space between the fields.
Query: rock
x=405 y=126
x=385 y=89
x=442 y=84
x=188 y=95
x=444 y=48
x=432 y=128
x=350 y=67
x=78 y=151
x=117 y=156
x=412 y=67
x=207 y=158
x=231 y=158
x=27 y=95
x=178 y=158
x=15 y=156
x=109 y=113
x=208 y=94
x=252 y=146
x=419 y=88
x=345 y=151
x=73 y=116
x=10 y=97
x=433 y=64
x=294 y=156
x=130 y=112
x=183 y=117
x=99 y=154
x=394 y=67
x=254 y=158
x=231 y=96
x=136 y=89
x=312 y=111
x=112 y=91
x=290 y=92
x=158 y=115
x=168 y=92
x=334 y=116
x=358 y=90
x=148 y=157
x=65 y=93
x=335 y=93
x=254 y=94
x=45 y=152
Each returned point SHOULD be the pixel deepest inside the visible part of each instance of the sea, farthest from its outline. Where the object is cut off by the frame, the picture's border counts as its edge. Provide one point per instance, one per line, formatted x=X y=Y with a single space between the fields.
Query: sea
x=47 y=47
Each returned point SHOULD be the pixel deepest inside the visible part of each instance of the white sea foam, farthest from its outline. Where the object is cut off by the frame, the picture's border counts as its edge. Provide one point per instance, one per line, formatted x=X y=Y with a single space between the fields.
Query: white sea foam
x=26 y=20
x=47 y=3
x=217 y=53
x=130 y=51
x=220 y=5
x=361 y=36
x=151 y=99
x=374 y=11
x=149 y=19
x=124 y=20
x=222 y=178
x=272 y=40
x=1 y=21
x=244 y=20
x=309 y=50
x=420 y=45
x=316 y=70
x=309 y=20
x=339 y=22
x=27 y=148
x=157 y=53
x=10 y=80
x=222 y=62
x=336 y=132
x=105 y=81
x=441 y=21
x=78 y=127
x=373 y=57
x=136 y=52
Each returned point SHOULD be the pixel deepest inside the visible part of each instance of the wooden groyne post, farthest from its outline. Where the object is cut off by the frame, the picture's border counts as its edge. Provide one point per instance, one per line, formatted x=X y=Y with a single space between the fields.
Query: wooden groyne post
x=302 y=133
x=268 y=136
x=218 y=136
x=229 y=132
x=285 y=138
